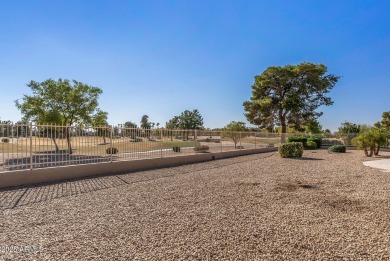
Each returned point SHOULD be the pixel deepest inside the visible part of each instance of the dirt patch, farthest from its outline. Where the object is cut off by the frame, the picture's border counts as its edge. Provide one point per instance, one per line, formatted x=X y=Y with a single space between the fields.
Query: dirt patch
x=293 y=185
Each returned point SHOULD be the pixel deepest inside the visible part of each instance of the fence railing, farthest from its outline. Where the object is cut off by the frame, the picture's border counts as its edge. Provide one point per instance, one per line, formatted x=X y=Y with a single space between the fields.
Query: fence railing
x=31 y=146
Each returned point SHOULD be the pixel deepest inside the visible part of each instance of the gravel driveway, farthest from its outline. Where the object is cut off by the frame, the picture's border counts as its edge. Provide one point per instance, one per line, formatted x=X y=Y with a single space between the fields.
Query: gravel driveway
x=258 y=207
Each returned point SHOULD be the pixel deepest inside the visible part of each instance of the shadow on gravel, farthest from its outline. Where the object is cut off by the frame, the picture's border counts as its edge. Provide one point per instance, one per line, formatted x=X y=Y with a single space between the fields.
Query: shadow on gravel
x=42 y=160
x=25 y=195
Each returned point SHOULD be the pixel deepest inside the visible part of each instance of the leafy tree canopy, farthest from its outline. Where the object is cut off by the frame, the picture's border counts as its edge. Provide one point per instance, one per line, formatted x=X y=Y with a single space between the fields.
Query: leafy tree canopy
x=61 y=102
x=313 y=127
x=385 y=123
x=289 y=95
x=349 y=128
x=145 y=124
x=100 y=118
x=130 y=124
x=236 y=126
x=190 y=120
x=173 y=123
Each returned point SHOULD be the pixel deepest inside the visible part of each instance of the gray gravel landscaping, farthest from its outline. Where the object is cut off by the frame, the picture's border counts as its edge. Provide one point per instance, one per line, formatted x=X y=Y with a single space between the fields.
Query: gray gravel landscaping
x=258 y=207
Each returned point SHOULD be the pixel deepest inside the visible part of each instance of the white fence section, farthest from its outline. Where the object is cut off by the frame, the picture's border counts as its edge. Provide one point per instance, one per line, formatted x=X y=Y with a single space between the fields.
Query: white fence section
x=33 y=146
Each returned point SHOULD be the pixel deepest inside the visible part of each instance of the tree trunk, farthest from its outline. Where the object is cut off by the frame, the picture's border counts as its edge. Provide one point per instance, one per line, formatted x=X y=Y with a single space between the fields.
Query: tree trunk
x=377 y=148
x=67 y=132
x=365 y=151
x=53 y=137
x=104 y=139
x=372 y=148
x=55 y=144
x=284 y=130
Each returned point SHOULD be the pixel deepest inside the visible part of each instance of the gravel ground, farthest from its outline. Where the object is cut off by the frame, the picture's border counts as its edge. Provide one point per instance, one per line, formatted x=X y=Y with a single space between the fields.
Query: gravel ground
x=258 y=207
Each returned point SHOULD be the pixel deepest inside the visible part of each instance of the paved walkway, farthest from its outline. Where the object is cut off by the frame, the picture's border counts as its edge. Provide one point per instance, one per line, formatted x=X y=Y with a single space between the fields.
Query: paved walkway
x=383 y=164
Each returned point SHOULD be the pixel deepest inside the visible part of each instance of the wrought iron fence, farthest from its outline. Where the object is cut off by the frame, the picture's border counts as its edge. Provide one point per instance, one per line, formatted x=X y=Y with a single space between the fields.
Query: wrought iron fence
x=30 y=146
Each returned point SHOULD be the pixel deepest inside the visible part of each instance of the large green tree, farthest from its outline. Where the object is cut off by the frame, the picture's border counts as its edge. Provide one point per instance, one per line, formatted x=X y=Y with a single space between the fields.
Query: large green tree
x=130 y=129
x=145 y=124
x=289 y=95
x=130 y=124
x=171 y=125
x=313 y=127
x=191 y=120
x=61 y=102
x=188 y=120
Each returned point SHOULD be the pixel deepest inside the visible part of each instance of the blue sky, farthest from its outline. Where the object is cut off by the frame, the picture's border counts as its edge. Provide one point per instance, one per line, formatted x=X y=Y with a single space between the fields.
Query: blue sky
x=162 y=57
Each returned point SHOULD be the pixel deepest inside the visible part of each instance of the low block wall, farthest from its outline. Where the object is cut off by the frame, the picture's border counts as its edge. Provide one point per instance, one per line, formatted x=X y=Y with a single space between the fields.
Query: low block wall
x=35 y=176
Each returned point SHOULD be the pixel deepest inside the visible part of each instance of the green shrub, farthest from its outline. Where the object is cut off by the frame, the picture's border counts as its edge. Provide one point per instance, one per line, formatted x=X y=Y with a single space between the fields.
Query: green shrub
x=337 y=148
x=311 y=145
x=298 y=139
x=5 y=140
x=176 y=149
x=201 y=148
x=112 y=150
x=317 y=140
x=291 y=150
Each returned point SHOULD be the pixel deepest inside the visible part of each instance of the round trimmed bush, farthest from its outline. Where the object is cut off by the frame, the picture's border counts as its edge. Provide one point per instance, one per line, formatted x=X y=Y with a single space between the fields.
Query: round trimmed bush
x=112 y=150
x=317 y=140
x=311 y=145
x=201 y=148
x=176 y=149
x=5 y=140
x=291 y=150
x=337 y=148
